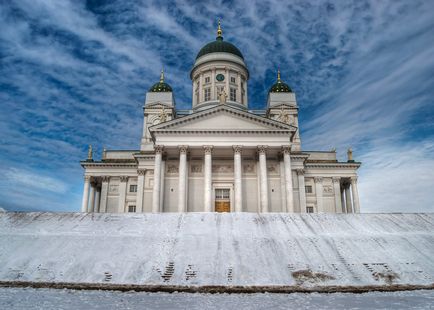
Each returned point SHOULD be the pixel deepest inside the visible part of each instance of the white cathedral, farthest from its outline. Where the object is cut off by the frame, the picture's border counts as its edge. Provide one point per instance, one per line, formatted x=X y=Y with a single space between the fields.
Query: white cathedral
x=220 y=156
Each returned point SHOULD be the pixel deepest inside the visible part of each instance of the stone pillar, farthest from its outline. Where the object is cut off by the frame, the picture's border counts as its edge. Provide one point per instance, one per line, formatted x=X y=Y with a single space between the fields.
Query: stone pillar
x=91 y=197
x=228 y=90
x=140 y=189
x=348 y=205
x=85 y=200
x=238 y=179
x=157 y=177
x=201 y=88
x=288 y=179
x=208 y=178
x=239 y=88
x=282 y=184
x=213 y=90
x=301 y=190
x=163 y=170
x=104 y=192
x=319 y=194
x=262 y=149
x=182 y=178
x=355 y=192
x=337 y=192
x=97 y=199
x=344 y=208
x=122 y=194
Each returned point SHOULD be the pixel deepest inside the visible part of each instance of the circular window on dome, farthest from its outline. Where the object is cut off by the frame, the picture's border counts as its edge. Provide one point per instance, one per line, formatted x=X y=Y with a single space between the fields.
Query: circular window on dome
x=220 y=77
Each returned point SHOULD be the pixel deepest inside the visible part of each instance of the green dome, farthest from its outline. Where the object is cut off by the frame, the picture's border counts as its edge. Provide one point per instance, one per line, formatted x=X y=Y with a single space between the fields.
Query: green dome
x=219 y=46
x=279 y=86
x=160 y=86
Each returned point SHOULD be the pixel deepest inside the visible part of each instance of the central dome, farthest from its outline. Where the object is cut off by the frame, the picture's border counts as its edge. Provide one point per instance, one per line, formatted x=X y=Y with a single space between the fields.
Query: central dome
x=219 y=46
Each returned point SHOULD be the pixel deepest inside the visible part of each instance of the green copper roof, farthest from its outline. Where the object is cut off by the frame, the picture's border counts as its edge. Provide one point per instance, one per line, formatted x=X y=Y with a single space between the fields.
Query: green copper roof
x=219 y=46
x=160 y=86
x=280 y=86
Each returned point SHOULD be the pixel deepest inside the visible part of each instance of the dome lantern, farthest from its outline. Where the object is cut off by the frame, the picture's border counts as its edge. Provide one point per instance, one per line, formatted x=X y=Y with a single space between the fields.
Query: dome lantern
x=160 y=86
x=280 y=86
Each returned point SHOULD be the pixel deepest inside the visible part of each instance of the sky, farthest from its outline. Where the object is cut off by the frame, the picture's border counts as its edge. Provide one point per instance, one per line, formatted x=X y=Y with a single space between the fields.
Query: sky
x=74 y=73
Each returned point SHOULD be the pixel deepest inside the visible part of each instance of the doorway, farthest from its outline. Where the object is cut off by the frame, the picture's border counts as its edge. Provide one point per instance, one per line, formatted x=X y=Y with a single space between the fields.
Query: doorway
x=222 y=200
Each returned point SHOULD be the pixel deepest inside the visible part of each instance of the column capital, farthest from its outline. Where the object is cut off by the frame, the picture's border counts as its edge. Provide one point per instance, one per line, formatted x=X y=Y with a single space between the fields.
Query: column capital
x=158 y=149
x=318 y=179
x=87 y=178
x=208 y=149
x=286 y=149
x=300 y=171
x=353 y=179
x=141 y=171
x=262 y=149
x=183 y=149
x=105 y=178
x=124 y=178
x=237 y=149
x=336 y=179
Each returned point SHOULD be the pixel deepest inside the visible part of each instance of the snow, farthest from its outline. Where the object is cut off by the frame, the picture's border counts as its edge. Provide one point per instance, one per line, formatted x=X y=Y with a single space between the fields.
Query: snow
x=46 y=299
x=233 y=249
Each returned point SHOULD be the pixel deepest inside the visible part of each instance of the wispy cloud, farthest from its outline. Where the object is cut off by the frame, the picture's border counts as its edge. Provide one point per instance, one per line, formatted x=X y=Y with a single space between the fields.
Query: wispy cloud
x=75 y=73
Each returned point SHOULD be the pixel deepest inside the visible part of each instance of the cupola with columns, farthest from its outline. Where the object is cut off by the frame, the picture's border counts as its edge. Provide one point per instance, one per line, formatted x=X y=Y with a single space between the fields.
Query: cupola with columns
x=282 y=106
x=219 y=75
x=159 y=107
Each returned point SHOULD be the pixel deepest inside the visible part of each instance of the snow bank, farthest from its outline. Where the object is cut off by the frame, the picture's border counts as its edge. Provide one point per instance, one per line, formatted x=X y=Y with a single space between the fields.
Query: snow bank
x=209 y=249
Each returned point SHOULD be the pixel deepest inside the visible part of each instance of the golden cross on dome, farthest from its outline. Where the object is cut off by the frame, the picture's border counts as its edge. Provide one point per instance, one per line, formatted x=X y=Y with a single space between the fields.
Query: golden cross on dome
x=219 y=30
x=278 y=75
x=162 y=76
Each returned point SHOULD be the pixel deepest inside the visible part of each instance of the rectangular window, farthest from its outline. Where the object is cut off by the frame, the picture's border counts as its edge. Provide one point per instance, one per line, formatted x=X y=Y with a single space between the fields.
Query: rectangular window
x=207 y=79
x=133 y=188
x=131 y=208
x=233 y=80
x=222 y=193
x=207 y=94
x=233 y=95
x=308 y=189
x=309 y=209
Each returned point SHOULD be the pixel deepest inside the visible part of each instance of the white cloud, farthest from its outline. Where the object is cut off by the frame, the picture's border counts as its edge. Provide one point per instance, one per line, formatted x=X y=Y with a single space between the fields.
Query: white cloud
x=24 y=179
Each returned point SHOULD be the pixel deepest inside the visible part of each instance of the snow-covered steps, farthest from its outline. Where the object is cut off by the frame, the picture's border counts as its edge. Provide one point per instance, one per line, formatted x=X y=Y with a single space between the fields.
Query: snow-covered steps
x=245 y=250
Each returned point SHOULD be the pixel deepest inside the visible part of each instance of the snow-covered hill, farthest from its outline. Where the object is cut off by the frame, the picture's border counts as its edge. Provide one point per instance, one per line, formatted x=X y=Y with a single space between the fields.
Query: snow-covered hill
x=208 y=249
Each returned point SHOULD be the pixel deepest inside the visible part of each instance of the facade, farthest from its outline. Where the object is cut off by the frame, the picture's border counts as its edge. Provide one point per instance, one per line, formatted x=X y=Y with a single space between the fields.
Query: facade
x=220 y=156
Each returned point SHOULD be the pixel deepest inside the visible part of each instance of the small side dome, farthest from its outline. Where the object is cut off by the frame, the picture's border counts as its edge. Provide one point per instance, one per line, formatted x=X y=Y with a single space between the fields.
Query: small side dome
x=160 y=86
x=280 y=86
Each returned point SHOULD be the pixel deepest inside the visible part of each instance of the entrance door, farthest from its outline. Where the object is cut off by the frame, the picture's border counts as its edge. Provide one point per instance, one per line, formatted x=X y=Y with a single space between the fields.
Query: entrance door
x=222 y=200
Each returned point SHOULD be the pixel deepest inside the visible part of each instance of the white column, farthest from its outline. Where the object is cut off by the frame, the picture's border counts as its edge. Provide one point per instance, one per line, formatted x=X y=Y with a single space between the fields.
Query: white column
x=246 y=101
x=97 y=199
x=301 y=190
x=228 y=91
x=201 y=88
x=182 y=178
x=319 y=191
x=213 y=90
x=239 y=88
x=91 y=197
x=157 y=181
x=337 y=192
x=288 y=179
x=344 y=208
x=262 y=149
x=355 y=192
x=122 y=194
x=104 y=192
x=348 y=205
x=163 y=170
x=282 y=184
x=208 y=178
x=140 y=189
x=238 y=179
x=85 y=200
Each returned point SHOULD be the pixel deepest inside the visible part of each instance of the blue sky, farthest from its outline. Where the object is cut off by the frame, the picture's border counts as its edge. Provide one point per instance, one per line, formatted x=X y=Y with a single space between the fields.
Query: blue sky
x=76 y=72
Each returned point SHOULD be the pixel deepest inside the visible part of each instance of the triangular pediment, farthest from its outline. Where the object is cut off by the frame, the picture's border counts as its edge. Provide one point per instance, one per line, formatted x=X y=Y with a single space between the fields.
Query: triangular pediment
x=222 y=118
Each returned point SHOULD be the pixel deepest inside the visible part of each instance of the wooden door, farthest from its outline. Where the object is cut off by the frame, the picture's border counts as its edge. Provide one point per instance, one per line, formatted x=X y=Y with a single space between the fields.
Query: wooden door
x=222 y=200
